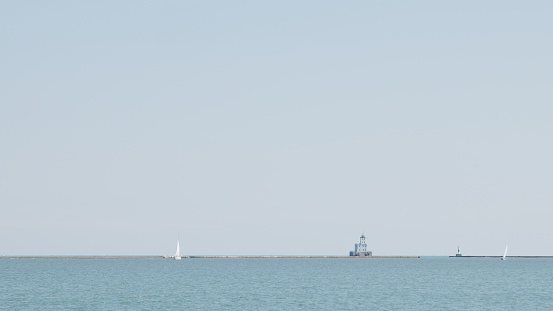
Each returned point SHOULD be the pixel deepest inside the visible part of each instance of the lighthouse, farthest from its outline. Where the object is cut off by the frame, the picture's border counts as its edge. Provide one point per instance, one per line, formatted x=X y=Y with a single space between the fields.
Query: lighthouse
x=361 y=248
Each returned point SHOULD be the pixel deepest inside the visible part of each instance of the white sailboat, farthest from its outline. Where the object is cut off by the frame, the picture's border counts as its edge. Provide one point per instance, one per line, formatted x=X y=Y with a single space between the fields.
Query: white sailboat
x=177 y=253
x=505 y=253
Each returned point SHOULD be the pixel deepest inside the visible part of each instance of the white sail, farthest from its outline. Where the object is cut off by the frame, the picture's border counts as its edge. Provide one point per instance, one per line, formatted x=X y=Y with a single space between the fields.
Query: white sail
x=505 y=253
x=177 y=253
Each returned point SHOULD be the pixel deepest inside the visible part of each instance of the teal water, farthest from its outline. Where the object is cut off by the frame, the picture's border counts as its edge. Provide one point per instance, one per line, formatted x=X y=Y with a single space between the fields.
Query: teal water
x=276 y=284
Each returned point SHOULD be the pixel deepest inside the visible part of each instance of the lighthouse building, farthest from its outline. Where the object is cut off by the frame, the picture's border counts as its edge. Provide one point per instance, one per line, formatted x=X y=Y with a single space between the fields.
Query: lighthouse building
x=361 y=248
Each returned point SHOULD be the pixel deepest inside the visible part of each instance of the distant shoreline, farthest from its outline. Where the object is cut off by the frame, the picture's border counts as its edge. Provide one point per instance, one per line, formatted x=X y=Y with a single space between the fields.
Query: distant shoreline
x=5 y=257
x=202 y=257
x=501 y=256
x=300 y=256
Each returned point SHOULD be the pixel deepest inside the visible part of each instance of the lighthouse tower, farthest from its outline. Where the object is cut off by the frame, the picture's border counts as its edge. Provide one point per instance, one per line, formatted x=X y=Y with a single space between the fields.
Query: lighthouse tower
x=362 y=246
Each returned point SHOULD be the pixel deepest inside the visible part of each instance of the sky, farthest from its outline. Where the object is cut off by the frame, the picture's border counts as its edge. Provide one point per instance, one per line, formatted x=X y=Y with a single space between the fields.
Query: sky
x=276 y=127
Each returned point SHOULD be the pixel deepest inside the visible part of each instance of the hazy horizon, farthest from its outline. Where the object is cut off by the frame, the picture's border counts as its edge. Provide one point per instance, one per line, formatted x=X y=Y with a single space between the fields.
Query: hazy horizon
x=276 y=128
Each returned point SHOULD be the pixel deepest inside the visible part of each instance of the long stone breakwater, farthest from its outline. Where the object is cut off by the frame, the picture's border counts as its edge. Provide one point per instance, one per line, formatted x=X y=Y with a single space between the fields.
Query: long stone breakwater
x=203 y=257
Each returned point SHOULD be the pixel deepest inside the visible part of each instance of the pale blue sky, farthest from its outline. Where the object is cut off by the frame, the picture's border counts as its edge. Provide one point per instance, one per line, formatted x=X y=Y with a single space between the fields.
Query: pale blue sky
x=276 y=128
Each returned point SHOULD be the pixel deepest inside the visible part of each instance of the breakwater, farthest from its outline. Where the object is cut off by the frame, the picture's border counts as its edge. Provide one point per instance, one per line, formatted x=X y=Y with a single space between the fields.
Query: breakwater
x=306 y=256
x=501 y=256
x=82 y=257
x=205 y=257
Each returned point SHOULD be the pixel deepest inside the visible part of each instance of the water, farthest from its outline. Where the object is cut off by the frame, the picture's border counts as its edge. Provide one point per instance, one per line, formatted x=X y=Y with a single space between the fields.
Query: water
x=277 y=284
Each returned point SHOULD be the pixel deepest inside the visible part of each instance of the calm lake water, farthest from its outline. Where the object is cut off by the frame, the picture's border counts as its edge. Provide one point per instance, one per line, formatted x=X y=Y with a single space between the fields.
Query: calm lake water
x=277 y=284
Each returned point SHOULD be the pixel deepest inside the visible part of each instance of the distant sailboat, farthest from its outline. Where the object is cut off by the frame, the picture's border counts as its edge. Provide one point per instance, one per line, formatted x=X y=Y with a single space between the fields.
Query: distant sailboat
x=177 y=253
x=504 y=254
